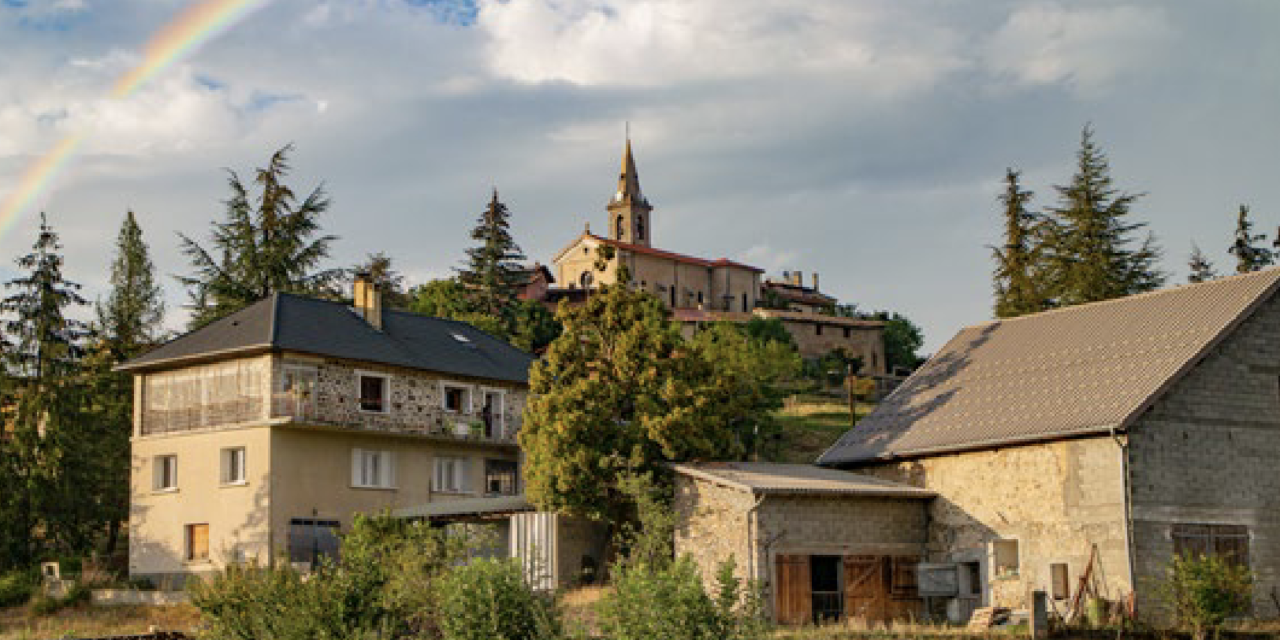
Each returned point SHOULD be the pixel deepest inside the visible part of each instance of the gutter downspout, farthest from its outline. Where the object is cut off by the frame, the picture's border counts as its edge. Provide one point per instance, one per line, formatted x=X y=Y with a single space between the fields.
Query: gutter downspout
x=1122 y=441
x=751 y=538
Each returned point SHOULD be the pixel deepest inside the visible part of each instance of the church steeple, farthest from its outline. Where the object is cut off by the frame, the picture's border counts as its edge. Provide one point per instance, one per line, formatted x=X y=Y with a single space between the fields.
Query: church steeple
x=628 y=209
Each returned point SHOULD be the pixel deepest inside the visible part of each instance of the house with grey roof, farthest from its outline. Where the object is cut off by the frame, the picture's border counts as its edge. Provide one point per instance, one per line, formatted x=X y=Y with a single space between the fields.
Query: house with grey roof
x=1087 y=446
x=260 y=435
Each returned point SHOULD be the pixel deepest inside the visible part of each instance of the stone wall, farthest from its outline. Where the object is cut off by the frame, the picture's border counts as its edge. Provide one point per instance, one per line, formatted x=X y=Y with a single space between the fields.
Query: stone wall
x=862 y=342
x=415 y=398
x=711 y=526
x=1056 y=499
x=1209 y=453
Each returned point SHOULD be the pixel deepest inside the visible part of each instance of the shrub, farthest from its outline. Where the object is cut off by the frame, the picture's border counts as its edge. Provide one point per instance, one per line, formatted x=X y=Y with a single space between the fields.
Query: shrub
x=487 y=599
x=16 y=588
x=1203 y=591
x=670 y=602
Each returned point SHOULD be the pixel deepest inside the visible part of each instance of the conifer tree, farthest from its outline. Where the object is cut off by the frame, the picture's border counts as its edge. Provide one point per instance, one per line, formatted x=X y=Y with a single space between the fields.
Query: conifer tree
x=493 y=272
x=132 y=318
x=265 y=244
x=1090 y=244
x=379 y=268
x=1201 y=269
x=1249 y=256
x=1019 y=269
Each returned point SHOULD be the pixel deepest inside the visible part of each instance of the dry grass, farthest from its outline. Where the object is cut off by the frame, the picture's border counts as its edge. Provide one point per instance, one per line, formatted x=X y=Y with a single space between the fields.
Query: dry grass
x=90 y=621
x=578 y=607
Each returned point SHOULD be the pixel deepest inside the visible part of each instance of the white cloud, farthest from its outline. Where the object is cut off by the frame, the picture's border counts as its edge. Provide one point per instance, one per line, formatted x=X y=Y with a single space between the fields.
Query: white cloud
x=1086 y=48
x=772 y=259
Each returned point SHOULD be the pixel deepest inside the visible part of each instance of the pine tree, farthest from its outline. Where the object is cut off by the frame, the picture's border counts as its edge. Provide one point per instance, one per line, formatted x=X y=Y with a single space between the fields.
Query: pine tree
x=1249 y=256
x=1090 y=240
x=50 y=457
x=1019 y=269
x=379 y=268
x=493 y=273
x=1201 y=268
x=132 y=318
x=264 y=245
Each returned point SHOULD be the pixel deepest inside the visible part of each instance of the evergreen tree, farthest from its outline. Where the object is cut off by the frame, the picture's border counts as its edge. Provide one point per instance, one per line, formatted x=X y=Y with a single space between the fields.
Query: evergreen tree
x=1249 y=256
x=266 y=244
x=1090 y=246
x=1019 y=273
x=619 y=392
x=493 y=273
x=1201 y=268
x=132 y=318
x=390 y=282
x=50 y=459
x=130 y=322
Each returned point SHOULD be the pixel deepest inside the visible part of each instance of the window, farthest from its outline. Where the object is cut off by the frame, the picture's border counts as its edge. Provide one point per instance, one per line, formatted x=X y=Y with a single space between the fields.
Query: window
x=450 y=474
x=500 y=477
x=164 y=471
x=618 y=225
x=455 y=399
x=904 y=582
x=492 y=414
x=311 y=539
x=817 y=326
x=1059 y=586
x=1227 y=541
x=846 y=332
x=1005 y=558
x=744 y=303
x=373 y=393
x=640 y=228
x=233 y=471
x=699 y=297
x=298 y=387
x=585 y=279
x=373 y=469
x=197 y=542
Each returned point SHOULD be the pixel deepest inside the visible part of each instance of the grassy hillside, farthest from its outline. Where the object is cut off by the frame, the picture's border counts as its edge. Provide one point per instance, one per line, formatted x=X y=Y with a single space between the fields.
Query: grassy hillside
x=810 y=425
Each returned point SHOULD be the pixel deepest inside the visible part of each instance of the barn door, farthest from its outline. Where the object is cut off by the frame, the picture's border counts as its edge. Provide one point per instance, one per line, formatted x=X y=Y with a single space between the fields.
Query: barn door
x=865 y=595
x=794 y=599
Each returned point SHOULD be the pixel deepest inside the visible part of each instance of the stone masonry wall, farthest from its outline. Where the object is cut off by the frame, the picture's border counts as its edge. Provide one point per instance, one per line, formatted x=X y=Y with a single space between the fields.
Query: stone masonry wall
x=1056 y=499
x=1209 y=453
x=711 y=525
x=415 y=398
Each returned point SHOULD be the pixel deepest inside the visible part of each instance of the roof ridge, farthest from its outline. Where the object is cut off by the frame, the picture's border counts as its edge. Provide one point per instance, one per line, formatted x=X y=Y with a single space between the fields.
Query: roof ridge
x=1272 y=272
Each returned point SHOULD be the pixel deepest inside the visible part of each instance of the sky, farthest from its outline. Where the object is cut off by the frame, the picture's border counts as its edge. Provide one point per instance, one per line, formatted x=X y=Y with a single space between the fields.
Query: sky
x=864 y=140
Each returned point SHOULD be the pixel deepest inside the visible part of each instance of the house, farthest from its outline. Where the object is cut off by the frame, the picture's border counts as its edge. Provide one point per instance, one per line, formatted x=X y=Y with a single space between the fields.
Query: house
x=700 y=290
x=262 y=433
x=1081 y=446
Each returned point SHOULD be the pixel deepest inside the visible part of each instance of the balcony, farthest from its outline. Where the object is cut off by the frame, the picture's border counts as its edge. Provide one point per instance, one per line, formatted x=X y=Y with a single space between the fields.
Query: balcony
x=493 y=428
x=204 y=415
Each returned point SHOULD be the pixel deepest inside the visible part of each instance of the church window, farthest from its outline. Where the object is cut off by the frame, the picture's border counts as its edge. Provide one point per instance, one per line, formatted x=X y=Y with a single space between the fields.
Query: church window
x=618 y=228
x=585 y=279
x=744 y=303
x=640 y=229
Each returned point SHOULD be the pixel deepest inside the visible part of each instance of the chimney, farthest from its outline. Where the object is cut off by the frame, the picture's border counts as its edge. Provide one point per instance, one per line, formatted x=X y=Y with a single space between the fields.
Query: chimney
x=367 y=299
x=797 y=278
x=815 y=280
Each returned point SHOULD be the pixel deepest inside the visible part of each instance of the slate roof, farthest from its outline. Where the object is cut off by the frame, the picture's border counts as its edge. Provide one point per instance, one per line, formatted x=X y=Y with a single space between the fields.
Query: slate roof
x=1070 y=372
x=287 y=322
x=774 y=479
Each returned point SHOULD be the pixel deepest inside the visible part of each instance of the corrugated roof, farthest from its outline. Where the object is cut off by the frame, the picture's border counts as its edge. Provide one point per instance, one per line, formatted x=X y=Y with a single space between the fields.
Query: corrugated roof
x=1062 y=373
x=466 y=507
x=287 y=322
x=771 y=478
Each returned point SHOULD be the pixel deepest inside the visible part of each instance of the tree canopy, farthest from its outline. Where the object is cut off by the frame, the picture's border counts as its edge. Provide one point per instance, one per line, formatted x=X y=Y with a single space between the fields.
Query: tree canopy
x=1245 y=246
x=1019 y=277
x=493 y=273
x=264 y=244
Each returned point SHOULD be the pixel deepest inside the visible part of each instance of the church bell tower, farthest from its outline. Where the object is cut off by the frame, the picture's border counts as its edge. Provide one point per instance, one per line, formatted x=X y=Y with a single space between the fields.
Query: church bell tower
x=628 y=208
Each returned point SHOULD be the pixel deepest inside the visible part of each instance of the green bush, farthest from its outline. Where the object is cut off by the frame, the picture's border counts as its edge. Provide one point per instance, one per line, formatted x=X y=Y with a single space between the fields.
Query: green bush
x=487 y=599
x=16 y=588
x=670 y=602
x=1203 y=591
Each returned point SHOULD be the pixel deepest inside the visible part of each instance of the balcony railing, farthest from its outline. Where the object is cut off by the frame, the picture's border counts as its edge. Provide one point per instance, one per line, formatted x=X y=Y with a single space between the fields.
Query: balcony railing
x=202 y=416
x=475 y=426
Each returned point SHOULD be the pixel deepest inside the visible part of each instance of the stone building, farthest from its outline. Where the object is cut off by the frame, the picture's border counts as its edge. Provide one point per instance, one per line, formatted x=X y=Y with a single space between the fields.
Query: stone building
x=1085 y=445
x=700 y=290
x=1119 y=432
x=262 y=433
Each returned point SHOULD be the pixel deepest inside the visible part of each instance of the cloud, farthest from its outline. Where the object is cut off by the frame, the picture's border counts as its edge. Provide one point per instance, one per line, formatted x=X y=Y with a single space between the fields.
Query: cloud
x=1088 y=49
x=771 y=259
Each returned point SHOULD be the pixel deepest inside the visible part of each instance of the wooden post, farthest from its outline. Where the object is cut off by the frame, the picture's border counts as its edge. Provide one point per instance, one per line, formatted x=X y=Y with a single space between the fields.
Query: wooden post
x=853 y=401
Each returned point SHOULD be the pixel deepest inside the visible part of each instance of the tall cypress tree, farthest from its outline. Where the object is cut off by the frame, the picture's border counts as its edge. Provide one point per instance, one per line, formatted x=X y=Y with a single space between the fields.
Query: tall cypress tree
x=266 y=244
x=493 y=272
x=1019 y=268
x=1201 y=269
x=1091 y=243
x=1249 y=256
x=50 y=455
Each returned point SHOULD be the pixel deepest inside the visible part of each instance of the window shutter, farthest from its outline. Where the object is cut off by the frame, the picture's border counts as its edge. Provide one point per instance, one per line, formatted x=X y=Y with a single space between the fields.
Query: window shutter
x=464 y=468
x=390 y=469
x=226 y=465
x=357 y=460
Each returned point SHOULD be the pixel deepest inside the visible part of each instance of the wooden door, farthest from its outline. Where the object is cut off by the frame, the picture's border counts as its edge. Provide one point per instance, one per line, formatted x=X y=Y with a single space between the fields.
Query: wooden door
x=865 y=595
x=794 y=597
x=905 y=602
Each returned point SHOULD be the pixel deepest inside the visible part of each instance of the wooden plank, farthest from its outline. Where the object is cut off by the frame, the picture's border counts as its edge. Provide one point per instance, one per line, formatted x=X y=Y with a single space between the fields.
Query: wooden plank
x=866 y=588
x=795 y=598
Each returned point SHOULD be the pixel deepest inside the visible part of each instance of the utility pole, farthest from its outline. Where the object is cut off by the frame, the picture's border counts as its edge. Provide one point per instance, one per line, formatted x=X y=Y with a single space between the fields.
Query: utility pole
x=853 y=402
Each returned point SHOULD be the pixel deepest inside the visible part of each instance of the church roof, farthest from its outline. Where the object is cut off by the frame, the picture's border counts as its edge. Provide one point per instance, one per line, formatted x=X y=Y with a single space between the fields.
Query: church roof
x=671 y=255
x=1072 y=372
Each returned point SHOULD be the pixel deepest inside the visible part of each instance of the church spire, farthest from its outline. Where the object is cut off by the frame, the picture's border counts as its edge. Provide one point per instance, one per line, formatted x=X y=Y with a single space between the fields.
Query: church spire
x=628 y=209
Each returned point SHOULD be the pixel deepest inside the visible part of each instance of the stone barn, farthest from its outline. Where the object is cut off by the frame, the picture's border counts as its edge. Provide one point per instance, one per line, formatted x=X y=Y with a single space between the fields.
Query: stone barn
x=1089 y=445
x=824 y=543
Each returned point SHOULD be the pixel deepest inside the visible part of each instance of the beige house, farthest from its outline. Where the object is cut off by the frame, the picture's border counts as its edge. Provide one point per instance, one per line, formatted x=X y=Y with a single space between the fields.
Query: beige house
x=259 y=436
x=1084 y=445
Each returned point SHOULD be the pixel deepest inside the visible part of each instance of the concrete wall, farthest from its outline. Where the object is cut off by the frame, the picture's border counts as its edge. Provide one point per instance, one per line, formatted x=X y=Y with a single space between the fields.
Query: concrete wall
x=1209 y=453
x=236 y=514
x=1056 y=499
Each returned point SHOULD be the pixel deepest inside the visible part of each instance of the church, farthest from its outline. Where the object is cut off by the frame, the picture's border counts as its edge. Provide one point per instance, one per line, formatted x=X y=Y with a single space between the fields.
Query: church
x=700 y=290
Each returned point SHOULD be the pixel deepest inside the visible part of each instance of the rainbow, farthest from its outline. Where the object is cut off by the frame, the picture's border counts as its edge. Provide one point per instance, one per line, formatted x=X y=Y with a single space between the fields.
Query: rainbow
x=195 y=26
